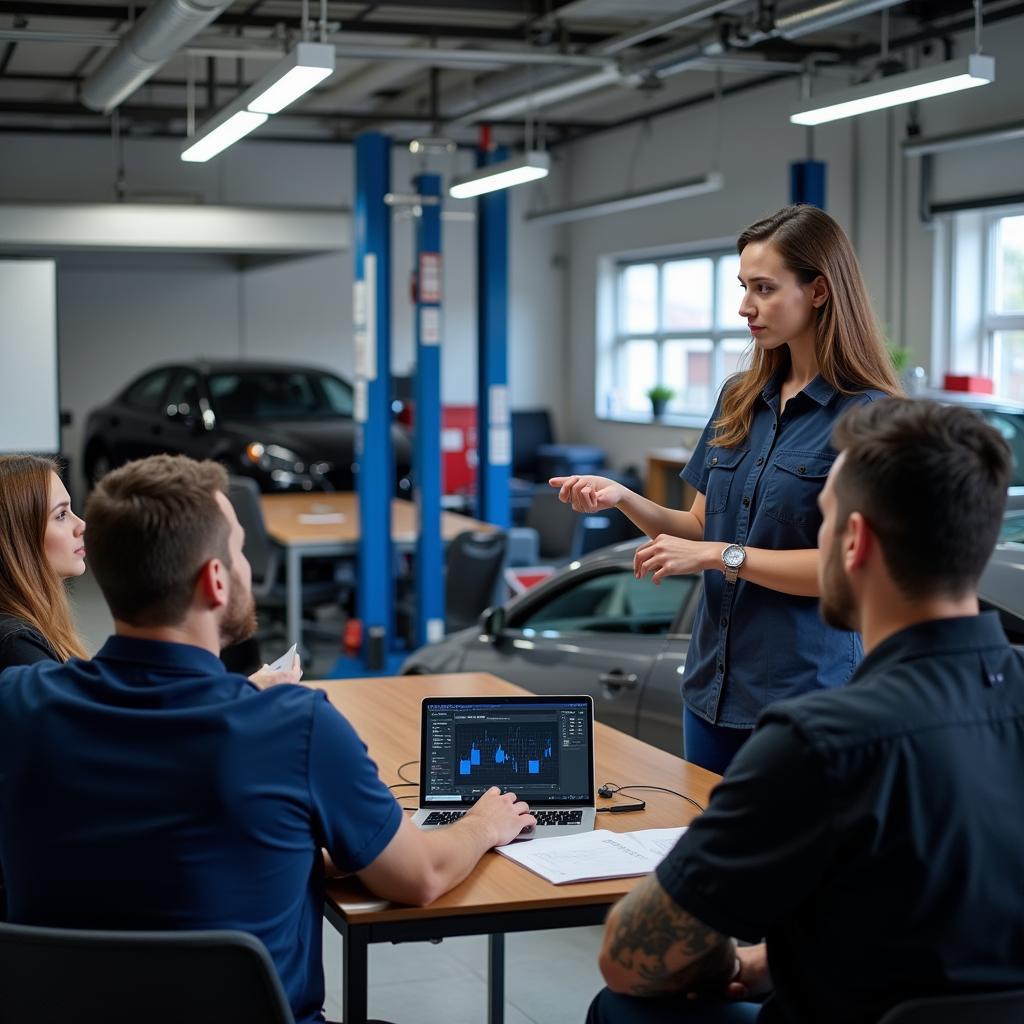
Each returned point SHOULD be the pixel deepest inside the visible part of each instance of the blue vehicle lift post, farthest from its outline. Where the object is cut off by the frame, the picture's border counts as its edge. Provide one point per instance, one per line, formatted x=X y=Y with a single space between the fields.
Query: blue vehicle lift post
x=494 y=433
x=375 y=477
x=430 y=610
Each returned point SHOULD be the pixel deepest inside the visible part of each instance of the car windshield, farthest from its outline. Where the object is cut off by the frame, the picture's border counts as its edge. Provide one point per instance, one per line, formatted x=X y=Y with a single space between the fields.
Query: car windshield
x=279 y=395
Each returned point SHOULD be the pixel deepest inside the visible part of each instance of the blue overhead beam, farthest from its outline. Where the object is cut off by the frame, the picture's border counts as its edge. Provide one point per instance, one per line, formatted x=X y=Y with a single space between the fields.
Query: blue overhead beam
x=375 y=477
x=430 y=608
x=494 y=435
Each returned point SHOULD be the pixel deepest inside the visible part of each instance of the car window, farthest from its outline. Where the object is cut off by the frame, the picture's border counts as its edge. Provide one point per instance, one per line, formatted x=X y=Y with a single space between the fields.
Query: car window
x=147 y=392
x=277 y=395
x=1011 y=426
x=339 y=394
x=184 y=394
x=1012 y=528
x=613 y=602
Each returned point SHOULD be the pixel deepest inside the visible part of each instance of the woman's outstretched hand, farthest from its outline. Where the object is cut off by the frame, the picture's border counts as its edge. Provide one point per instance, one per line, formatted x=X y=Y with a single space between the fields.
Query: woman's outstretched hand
x=589 y=493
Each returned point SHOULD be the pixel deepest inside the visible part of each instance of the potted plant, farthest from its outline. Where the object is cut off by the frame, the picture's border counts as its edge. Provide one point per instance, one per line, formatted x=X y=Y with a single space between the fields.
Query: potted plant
x=660 y=396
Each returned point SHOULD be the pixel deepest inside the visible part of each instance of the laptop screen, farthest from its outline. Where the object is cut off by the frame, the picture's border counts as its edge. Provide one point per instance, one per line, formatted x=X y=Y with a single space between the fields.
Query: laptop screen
x=541 y=748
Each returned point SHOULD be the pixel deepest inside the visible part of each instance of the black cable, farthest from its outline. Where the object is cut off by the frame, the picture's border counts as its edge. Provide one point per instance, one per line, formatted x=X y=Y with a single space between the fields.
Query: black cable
x=404 y=778
x=616 y=789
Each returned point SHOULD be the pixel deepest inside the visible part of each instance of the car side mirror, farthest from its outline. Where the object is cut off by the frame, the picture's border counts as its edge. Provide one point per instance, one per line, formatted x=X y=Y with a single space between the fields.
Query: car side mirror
x=492 y=622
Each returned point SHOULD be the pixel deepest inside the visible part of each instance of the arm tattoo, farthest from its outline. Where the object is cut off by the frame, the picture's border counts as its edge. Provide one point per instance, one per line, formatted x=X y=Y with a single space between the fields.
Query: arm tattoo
x=651 y=933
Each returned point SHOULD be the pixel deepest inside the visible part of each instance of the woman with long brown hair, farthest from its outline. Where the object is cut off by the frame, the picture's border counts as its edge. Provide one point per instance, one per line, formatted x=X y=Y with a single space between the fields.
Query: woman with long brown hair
x=758 y=469
x=41 y=545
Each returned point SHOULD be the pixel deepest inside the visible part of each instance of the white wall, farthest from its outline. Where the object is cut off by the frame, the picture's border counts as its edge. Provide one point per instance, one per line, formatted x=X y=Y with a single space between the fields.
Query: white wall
x=120 y=313
x=872 y=190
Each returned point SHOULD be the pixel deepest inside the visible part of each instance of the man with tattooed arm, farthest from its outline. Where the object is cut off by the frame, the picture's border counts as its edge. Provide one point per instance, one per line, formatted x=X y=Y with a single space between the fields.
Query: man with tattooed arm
x=870 y=839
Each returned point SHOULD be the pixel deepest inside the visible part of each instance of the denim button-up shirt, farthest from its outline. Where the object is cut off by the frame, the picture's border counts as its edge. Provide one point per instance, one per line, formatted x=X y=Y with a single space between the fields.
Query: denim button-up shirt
x=752 y=646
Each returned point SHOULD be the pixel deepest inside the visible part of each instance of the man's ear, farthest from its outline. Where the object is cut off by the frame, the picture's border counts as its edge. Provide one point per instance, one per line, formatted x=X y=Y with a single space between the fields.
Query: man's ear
x=819 y=292
x=858 y=542
x=212 y=583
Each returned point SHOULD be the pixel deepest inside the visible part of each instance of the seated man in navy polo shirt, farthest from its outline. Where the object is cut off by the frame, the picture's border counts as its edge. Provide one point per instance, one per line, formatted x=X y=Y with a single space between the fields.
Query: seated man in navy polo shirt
x=150 y=788
x=872 y=835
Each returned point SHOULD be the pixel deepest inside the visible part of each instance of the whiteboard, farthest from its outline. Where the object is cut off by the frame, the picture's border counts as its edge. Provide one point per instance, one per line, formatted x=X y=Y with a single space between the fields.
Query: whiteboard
x=29 y=392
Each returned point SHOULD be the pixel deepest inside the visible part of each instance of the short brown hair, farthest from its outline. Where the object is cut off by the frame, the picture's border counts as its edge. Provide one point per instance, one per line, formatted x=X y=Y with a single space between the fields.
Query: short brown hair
x=931 y=481
x=153 y=524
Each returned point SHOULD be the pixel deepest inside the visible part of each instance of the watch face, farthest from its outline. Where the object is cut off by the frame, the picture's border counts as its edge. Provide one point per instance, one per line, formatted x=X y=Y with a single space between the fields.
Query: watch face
x=733 y=556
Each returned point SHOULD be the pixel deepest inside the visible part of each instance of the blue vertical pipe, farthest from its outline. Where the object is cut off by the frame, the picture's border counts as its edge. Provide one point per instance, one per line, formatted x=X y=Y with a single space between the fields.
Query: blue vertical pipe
x=494 y=436
x=375 y=478
x=807 y=182
x=427 y=392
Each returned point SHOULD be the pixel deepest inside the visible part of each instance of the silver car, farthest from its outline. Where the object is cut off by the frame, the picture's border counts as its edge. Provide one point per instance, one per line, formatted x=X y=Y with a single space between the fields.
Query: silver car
x=593 y=628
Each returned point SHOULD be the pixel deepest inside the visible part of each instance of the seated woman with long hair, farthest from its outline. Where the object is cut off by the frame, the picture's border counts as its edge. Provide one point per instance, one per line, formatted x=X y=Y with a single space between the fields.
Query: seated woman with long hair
x=41 y=546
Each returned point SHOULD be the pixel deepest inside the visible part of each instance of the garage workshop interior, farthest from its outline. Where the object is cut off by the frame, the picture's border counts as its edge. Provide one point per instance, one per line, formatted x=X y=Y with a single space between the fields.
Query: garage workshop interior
x=512 y=511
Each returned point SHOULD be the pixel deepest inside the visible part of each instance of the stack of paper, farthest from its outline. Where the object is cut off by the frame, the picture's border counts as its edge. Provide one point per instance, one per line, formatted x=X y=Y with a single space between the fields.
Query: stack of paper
x=591 y=856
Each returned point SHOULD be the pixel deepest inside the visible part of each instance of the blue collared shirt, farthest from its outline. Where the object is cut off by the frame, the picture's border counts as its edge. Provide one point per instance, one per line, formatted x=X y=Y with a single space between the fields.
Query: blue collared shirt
x=150 y=788
x=752 y=646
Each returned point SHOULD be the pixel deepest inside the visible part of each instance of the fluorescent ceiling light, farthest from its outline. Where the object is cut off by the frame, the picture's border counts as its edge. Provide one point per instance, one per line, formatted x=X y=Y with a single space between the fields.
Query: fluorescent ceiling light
x=306 y=65
x=952 y=76
x=225 y=134
x=529 y=166
x=630 y=200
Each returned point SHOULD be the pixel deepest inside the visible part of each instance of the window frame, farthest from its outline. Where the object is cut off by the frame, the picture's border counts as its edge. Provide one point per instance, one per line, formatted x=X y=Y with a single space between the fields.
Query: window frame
x=964 y=316
x=619 y=337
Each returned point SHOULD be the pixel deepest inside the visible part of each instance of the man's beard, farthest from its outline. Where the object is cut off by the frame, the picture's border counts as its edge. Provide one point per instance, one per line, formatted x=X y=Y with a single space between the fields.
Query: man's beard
x=239 y=622
x=838 y=605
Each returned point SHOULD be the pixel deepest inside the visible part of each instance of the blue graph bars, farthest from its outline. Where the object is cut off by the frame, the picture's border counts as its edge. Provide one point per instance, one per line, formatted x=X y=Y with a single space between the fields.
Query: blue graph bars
x=505 y=760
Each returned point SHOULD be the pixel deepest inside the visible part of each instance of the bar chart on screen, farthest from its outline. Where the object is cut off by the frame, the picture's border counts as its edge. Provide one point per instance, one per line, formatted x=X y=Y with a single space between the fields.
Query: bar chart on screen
x=495 y=755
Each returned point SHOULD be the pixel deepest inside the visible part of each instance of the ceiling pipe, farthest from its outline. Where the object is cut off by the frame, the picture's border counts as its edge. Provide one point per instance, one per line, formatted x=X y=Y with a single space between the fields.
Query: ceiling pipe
x=690 y=57
x=156 y=37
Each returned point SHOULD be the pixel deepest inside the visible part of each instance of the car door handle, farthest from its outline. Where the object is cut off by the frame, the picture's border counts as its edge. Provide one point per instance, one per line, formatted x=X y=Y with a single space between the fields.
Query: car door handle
x=619 y=680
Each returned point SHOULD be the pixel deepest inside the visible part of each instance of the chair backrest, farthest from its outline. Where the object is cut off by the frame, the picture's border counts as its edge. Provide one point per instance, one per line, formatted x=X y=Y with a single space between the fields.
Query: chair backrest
x=559 y=528
x=978 y=1008
x=244 y=495
x=56 y=975
x=473 y=564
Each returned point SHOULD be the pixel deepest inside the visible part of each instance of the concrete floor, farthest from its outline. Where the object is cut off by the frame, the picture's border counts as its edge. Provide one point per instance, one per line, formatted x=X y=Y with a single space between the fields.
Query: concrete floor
x=550 y=977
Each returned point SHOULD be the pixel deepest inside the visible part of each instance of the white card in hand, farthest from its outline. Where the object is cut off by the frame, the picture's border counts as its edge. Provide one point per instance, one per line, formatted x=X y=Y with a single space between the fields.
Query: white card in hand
x=284 y=663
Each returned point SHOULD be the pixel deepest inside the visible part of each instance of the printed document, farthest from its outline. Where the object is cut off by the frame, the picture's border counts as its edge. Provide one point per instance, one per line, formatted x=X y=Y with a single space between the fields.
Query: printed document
x=591 y=856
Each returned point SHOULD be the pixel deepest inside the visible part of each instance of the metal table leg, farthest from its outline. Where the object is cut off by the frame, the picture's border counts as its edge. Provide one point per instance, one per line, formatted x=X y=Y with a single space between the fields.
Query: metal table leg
x=355 y=976
x=496 y=978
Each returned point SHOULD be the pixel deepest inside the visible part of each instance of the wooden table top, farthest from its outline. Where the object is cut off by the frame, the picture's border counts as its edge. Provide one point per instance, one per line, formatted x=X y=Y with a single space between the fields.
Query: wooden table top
x=386 y=714
x=333 y=518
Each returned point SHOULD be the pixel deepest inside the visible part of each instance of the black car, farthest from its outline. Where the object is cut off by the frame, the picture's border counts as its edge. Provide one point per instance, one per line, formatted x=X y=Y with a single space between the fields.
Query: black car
x=288 y=427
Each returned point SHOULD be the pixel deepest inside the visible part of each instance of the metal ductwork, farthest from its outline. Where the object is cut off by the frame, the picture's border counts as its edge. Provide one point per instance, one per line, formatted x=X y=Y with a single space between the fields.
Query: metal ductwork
x=156 y=37
x=813 y=19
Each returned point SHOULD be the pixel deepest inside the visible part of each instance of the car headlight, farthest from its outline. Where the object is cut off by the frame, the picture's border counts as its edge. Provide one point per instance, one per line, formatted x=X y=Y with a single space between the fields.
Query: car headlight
x=274 y=459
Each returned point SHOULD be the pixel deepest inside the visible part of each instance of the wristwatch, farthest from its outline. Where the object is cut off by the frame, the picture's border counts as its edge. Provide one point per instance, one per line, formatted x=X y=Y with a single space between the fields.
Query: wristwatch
x=733 y=558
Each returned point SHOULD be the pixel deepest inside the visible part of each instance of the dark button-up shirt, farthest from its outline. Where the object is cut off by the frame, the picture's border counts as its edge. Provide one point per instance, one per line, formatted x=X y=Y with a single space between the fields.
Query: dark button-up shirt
x=150 y=788
x=874 y=834
x=751 y=645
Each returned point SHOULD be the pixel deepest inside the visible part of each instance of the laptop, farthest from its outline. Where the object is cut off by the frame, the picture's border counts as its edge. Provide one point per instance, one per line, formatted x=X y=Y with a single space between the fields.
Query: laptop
x=540 y=748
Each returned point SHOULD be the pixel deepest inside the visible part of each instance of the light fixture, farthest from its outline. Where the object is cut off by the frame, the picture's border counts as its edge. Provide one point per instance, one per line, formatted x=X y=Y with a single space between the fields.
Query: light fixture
x=307 y=65
x=937 y=80
x=711 y=182
x=517 y=170
x=304 y=67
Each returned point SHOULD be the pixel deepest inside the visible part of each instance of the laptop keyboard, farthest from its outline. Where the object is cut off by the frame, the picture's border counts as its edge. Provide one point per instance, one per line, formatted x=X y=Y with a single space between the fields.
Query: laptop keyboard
x=543 y=817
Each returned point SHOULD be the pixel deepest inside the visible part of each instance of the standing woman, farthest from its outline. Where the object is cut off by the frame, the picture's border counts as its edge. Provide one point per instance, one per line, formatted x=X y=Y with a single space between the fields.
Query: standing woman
x=758 y=470
x=41 y=545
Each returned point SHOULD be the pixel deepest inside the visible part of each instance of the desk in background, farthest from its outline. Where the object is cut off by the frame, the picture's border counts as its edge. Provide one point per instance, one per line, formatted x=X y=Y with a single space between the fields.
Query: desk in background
x=498 y=896
x=663 y=484
x=327 y=525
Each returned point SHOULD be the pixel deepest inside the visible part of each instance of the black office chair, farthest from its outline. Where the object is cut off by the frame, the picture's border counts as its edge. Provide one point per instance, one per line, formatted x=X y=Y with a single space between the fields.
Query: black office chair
x=473 y=565
x=979 y=1008
x=559 y=528
x=320 y=579
x=56 y=975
